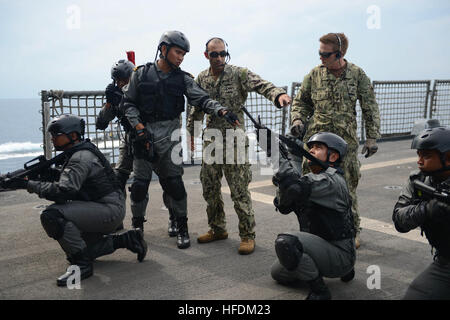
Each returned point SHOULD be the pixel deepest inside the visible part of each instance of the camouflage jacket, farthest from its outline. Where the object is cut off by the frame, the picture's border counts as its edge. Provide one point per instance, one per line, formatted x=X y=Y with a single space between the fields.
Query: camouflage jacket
x=330 y=103
x=231 y=90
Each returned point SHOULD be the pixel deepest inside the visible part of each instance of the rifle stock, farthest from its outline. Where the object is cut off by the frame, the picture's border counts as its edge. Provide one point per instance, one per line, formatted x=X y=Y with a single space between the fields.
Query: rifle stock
x=428 y=192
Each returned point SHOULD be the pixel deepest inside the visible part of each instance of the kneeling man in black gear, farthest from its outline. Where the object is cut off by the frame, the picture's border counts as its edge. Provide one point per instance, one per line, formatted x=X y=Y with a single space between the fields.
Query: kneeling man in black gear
x=325 y=247
x=89 y=203
x=430 y=211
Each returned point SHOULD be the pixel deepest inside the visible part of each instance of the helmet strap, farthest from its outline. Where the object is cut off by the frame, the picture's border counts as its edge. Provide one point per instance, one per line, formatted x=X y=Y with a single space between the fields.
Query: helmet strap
x=444 y=167
x=171 y=65
x=71 y=142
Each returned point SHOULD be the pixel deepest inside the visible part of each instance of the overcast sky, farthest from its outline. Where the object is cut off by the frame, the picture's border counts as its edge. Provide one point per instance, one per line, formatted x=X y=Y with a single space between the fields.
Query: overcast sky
x=71 y=45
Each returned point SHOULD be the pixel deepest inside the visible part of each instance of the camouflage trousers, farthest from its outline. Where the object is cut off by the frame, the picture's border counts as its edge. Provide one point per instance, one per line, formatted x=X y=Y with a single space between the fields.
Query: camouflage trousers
x=238 y=177
x=352 y=174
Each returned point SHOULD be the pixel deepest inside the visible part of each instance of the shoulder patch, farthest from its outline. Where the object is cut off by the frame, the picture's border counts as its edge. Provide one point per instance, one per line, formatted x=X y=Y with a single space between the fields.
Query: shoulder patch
x=137 y=67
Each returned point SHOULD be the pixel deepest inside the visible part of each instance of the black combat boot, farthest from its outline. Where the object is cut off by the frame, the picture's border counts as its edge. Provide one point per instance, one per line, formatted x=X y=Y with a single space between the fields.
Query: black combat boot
x=80 y=260
x=349 y=276
x=138 y=222
x=173 y=228
x=319 y=290
x=132 y=240
x=183 y=240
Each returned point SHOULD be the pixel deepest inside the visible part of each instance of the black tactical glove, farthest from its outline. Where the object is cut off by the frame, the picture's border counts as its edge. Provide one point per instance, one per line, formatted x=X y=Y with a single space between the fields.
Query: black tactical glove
x=143 y=145
x=101 y=125
x=231 y=118
x=283 y=208
x=438 y=211
x=15 y=183
x=113 y=94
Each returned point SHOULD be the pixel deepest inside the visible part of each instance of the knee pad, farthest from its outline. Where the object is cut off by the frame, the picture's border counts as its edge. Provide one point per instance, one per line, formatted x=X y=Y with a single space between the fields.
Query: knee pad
x=139 y=189
x=289 y=250
x=174 y=187
x=53 y=222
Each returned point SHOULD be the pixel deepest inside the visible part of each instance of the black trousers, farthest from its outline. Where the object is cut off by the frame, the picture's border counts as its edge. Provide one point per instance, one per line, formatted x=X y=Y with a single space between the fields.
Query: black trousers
x=432 y=284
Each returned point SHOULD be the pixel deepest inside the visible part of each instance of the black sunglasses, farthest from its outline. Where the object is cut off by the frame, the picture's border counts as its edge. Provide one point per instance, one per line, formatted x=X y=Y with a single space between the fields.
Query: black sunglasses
x=215 y=54
x=326 y=54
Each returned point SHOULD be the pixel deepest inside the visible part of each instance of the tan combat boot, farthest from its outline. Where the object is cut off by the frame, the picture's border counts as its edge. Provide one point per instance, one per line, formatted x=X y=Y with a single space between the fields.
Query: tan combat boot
x=247 y=246
x=212 y=236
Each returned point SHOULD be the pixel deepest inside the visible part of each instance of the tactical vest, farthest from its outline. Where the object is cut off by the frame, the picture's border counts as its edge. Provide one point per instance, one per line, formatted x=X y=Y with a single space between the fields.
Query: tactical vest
x=160 y=99
x=98 y=186
x=329 y=224
x=437 y=233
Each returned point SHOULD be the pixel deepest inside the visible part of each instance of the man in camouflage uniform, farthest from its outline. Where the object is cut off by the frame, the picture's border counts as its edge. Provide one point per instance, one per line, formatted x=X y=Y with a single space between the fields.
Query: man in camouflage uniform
x=229 y=85
x=327 y=102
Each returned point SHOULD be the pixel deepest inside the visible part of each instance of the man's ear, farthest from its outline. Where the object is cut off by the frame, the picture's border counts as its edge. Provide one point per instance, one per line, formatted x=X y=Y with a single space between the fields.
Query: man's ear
x=447 y=158
x=206 y=55
x=74 y=136
x=164 y=50
x=334 y=156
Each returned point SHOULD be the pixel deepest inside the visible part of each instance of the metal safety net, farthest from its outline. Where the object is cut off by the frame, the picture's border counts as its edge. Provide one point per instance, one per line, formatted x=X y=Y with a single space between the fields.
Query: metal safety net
x=401 y=104
x=87 y=105
x=440 y=102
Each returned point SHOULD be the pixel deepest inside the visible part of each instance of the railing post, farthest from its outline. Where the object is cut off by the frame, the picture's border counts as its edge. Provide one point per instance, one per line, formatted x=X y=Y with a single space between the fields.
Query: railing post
x=45 y=120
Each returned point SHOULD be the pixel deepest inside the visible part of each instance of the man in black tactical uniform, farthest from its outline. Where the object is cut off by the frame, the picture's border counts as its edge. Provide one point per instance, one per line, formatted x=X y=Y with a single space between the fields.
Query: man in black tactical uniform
x=154 y=100
x=325 y=246
x=89 y=204
x=415 y=209
x=120 y=73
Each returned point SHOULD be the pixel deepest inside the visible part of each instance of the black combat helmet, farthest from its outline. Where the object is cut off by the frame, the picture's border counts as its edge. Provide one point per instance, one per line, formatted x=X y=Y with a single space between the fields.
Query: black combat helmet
x=332 y=141
x=174 y=38
x=66 y=124
x=437 y=138
x=122 y=70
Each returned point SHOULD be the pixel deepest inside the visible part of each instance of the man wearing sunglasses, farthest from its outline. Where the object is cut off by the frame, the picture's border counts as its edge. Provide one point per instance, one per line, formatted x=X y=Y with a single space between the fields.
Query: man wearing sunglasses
x=326 y=101
x=229 y=85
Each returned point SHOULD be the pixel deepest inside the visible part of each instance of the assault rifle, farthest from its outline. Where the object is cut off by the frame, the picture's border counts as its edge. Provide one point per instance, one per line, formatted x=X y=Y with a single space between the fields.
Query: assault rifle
x=441 y=193
x=38 y=168
x=295 y=146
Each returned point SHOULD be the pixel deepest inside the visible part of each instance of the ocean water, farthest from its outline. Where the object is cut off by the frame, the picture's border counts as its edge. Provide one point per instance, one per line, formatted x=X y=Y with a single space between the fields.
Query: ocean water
x=20 y=132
